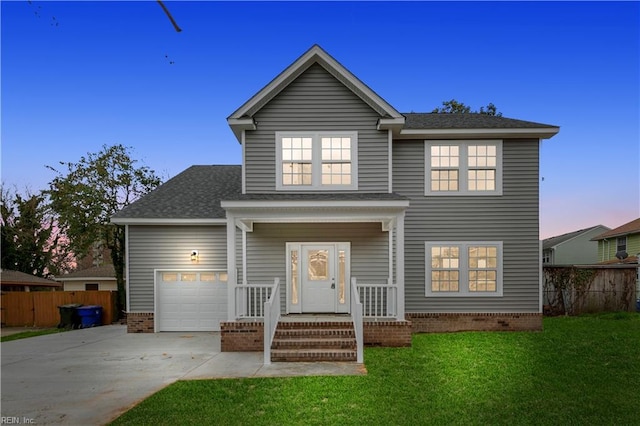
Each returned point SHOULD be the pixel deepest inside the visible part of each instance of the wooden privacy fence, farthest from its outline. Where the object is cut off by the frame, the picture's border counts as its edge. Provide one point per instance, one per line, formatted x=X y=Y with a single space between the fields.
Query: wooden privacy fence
x=579 y=289
x=40 y=308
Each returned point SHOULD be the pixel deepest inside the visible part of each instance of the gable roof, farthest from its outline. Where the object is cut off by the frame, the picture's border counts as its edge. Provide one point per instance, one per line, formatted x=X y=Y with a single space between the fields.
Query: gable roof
x=191 y=197
x=104 y=272
x=241 y=119
x=551 y=242
x=10 y=277
x=632 y=227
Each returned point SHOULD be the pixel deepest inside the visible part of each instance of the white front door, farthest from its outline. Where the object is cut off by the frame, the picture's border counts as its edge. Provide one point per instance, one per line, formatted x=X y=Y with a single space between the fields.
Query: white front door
x=318 y=277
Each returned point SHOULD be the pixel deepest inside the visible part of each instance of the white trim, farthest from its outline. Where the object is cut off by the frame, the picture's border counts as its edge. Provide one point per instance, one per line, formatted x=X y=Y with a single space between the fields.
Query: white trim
x=390 y=159
x=231 y=268
x=390 y=123
x=239 y=125
x=463 y=168
x=314 y=55
x=464 y=269
x=86 y=279
x=244 y=257
x=313 y=204
x=540 y=280
x=126 y=270
x=400 y=302
x=538 y=133
x=337 y=246
x=390 y=251
x=160 y=221
x=243 y=139
x=316 y=161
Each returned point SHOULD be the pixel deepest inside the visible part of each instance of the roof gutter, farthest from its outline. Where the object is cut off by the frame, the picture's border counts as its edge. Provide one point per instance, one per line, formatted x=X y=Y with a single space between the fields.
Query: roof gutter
x=539 y=133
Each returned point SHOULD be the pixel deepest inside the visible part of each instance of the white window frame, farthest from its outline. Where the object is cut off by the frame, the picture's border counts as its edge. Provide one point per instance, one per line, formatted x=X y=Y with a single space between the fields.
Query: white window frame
x=316 y=161
x=463 y=167
x=463 y=269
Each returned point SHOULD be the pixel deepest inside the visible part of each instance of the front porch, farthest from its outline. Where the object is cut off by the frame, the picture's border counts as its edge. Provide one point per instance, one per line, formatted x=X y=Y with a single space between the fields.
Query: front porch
x=315 y=337
x=331 y=258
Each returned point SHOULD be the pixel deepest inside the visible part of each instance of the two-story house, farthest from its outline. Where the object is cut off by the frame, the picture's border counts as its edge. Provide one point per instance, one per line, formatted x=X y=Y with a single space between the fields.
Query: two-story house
x=345 y=207
x=625 y=239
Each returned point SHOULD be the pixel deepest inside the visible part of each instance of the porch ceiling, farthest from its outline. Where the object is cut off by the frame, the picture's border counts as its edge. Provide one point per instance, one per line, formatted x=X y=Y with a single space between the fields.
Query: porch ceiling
x=247 y=212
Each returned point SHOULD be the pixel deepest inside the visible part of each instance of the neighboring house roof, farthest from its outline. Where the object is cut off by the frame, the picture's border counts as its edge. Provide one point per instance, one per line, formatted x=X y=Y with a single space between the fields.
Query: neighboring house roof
x=632 y=227
x=551 y=242
x=194 y=194
x=9 y=277
x=102 y=273
x=241 y=119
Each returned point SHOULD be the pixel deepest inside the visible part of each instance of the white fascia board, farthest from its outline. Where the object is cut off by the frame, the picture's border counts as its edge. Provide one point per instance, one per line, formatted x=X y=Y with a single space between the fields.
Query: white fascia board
x=542 y=133
x=86 y=279
x=161 y=221
x=391 y=123
x=313 y=204
x=239 y=125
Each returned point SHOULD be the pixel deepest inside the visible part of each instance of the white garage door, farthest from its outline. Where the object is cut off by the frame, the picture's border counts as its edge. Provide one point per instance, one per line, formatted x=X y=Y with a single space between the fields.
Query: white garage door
x=191 y=300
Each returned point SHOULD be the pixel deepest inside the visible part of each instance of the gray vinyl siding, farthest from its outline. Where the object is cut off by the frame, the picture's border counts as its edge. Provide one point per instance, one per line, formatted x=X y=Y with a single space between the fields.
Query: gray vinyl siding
x=316 y=101
x=168 y=247
x=266 y=249
x=511 y=218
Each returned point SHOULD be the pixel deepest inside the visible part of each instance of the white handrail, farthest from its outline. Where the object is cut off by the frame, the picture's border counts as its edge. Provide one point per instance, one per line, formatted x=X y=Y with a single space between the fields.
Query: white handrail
x=378 y=300
x=250 y=300
x=356 y=314
x=271 y=318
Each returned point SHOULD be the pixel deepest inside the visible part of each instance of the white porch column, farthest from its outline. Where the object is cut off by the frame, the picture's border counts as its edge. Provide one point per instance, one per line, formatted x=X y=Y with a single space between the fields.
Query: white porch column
x=231 y=268
x=400 y=265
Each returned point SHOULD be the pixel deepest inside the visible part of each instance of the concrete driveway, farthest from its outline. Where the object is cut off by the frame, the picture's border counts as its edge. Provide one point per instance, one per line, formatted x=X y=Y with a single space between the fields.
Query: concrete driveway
x=91 y=376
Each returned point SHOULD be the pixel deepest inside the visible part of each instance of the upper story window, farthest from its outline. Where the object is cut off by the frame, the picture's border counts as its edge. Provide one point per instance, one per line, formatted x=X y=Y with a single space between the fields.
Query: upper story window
x=468 y=269
x=463 y=167
x=316 y=161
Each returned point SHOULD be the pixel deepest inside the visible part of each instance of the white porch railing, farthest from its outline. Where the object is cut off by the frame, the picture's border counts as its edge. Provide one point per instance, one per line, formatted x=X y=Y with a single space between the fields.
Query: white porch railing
x=250 y=300
x=356 y=315
x=378 y=300
x=271 y=318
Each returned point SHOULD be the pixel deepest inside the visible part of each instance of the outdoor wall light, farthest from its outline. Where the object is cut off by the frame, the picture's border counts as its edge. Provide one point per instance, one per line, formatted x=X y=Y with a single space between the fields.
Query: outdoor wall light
x=194 y=255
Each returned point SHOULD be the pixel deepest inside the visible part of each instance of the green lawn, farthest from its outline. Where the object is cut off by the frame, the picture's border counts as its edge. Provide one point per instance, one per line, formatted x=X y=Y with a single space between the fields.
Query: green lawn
x=31 y=333
x=580 y=370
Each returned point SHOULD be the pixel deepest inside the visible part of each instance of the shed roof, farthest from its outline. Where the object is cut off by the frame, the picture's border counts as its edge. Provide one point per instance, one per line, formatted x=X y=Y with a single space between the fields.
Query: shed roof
x=10 y=277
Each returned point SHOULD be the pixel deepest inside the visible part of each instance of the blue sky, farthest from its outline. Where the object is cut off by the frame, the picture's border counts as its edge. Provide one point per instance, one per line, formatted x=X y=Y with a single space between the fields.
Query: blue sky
x=78 y=75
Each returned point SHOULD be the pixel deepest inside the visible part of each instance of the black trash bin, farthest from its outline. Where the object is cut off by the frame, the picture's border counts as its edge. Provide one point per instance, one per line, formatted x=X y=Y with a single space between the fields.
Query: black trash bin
x=69 y=317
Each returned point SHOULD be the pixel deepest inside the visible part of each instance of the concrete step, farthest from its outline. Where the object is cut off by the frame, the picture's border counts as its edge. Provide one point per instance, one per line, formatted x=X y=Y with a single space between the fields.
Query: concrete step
x=314 y=324
x=313 y=355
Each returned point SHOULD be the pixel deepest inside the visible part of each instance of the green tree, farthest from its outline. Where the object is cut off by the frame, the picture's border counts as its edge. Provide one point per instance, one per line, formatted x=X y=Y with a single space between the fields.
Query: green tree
x=31 y=242
x=455 y=107
x=86 y=194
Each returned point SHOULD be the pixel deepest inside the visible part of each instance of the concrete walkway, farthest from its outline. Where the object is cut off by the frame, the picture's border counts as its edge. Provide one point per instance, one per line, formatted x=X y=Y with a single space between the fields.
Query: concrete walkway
x=91 y=376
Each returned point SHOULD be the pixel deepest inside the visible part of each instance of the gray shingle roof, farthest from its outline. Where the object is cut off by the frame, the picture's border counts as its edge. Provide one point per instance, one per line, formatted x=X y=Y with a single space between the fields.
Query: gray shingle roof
x=466 y=121
x=104 y=271
x=559 y=239
x=193 y=194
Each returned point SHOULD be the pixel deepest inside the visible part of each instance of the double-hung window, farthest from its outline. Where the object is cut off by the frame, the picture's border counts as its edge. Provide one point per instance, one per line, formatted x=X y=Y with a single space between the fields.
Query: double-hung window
x=316 y=161
x=467 y=269
x=463 y=167
x=621 y=244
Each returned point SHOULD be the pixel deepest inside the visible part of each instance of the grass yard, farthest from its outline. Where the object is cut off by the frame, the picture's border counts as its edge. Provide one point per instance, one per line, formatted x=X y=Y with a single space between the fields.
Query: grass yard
x=31 y=333
x=579 y=371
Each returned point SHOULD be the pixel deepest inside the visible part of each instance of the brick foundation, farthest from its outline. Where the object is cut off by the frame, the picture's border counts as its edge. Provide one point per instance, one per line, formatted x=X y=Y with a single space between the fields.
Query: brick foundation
x=140 y=322
x=242 y=336
x=450 y=322
x=387 y=333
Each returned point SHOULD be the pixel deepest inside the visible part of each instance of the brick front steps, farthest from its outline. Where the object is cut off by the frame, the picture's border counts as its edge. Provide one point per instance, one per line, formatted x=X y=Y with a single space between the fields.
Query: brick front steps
x=314 y=341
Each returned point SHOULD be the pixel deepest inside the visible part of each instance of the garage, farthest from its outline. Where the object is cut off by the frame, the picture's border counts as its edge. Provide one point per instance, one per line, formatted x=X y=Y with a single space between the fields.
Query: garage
x=191 y=300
